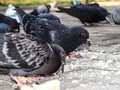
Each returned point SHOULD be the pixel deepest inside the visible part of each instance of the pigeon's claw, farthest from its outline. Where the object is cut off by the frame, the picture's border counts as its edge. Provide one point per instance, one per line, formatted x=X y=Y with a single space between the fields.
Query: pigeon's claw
x=24 y=81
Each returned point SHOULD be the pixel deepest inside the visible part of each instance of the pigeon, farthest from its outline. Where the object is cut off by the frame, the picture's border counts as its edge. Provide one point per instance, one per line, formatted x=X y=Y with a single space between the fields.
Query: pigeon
x=114 y=18
x=54 y=33
x=43 y=8
x=85 y=13
x=25 y=55
x=12 y=23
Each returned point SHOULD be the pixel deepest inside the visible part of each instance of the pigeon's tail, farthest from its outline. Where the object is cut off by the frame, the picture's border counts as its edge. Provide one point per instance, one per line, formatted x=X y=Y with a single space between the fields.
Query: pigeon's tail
x=62 y=55
x=19 y=12
x=52 y=4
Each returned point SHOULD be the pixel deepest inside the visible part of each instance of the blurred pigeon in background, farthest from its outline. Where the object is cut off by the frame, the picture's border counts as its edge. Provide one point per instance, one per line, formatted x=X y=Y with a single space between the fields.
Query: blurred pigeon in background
x=12 y=14
x=114 y=18
x=87 y=14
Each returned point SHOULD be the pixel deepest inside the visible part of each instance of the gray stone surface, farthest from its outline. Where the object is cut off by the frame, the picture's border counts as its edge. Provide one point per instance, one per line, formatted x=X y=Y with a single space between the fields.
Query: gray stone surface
x=96 y=69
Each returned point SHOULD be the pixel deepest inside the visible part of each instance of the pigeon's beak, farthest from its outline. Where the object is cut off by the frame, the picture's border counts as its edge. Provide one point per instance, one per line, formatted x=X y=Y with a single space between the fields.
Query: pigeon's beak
x=88 y=42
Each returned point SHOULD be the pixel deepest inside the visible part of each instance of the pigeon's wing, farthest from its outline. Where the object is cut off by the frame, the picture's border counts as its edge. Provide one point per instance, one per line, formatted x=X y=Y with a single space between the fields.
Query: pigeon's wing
x=49 y=17
x=25 y=52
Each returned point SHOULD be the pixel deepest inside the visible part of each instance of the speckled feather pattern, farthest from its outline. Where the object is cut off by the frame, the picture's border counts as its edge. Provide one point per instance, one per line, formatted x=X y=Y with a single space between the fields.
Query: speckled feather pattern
x=23 y=51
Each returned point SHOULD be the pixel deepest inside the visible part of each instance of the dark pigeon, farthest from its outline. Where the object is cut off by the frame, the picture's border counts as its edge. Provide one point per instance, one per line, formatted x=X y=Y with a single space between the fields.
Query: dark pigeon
x=85 y=13
x=25 y=55
x=103 y=11
x=12 y=23
x=55 y=33
x=43 y=11
x=114 y=18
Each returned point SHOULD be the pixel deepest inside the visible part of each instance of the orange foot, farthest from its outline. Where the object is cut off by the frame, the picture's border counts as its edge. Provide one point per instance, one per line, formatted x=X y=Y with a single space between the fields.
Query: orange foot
x=70 y=55
x=24 y=81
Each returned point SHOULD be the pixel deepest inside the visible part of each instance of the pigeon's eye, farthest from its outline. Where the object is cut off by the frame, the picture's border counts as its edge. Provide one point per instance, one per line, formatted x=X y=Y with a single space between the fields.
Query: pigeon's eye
x=83 y=34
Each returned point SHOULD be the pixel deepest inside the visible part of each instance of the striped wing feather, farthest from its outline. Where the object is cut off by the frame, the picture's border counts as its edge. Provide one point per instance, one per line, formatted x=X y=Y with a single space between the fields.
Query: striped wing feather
x=24 y=51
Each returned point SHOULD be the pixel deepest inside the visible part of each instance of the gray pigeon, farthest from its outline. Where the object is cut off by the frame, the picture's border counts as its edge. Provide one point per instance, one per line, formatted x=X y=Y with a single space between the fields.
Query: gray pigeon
x=114 y=18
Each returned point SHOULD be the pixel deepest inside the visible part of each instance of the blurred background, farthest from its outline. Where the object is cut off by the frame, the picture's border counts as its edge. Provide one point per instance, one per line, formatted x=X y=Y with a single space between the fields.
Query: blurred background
x=35 y=2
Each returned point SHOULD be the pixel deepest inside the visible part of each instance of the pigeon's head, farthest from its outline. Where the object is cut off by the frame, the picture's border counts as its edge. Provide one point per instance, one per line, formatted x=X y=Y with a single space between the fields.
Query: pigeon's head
x=52 y=4
x=11 y=12
x=80 y=36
